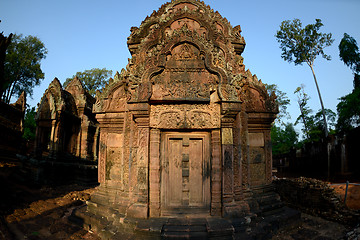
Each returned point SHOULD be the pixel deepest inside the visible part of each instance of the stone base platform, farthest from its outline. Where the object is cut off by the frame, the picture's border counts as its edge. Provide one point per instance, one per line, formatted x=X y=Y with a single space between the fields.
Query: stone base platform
x=251 y=227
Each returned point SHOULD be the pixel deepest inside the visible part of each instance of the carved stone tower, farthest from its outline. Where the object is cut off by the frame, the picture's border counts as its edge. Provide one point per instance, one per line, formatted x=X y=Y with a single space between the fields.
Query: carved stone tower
x=66 y=135
x=184 y=129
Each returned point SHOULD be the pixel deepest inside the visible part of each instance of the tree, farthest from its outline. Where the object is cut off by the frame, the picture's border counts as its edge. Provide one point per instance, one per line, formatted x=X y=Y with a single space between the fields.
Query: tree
x=283 y=138
x=29 y=124
x=93 y=79
x=313 y=125
x=305 y=111
x=282 y=100
x=302 y=45
x=317 y=128
x=349 y=111
x=22 y=66
x=349 y=106
x=4 y=43
x=349 y=53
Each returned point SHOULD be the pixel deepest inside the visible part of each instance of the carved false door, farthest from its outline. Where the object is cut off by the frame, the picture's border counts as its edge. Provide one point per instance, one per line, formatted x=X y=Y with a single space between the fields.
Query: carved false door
x=185 y=173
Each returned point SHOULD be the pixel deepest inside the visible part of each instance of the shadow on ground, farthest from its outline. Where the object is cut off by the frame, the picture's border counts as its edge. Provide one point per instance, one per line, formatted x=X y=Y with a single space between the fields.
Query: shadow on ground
x=31 y=211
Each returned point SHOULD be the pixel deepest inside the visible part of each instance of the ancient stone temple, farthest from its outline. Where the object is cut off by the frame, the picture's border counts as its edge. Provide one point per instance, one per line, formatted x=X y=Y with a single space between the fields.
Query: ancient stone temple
x=11 y=127
x=66 y=131
x=185 y=129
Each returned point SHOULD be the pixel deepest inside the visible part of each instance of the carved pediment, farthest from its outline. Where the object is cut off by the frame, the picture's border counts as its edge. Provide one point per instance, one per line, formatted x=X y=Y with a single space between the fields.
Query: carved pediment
x=181 y=53
x=184 y=52
x=115 y=102
x=187 y=23
x=257 y=100
x=185 y=77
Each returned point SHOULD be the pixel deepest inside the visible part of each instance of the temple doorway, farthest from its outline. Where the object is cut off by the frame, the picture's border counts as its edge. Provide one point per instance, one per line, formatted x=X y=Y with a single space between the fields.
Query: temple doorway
x=185 y=174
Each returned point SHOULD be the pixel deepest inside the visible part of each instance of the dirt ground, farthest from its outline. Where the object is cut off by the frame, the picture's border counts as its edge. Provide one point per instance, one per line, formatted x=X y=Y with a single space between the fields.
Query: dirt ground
x=353 y=194
x=28 y=212
x=310 y=227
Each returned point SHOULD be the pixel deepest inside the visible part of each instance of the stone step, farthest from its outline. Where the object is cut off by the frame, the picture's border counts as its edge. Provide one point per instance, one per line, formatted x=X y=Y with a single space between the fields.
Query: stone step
x=188 y=231
x=181 y=235
x=267 y=198
x=269 y=207
x=271 y=211
x=263 y=189
x=220 y=228
x=250 y=227
x=184 y=228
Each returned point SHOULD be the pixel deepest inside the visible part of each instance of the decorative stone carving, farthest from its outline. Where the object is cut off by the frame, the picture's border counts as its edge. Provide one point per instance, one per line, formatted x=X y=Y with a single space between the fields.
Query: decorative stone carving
x=185 y=77
x=197 y=116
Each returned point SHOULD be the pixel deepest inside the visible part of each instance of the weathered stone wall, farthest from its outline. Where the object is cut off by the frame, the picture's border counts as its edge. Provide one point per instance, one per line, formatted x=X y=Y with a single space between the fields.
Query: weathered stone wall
x=312 y=160
x=315 y=197
x=11 y=127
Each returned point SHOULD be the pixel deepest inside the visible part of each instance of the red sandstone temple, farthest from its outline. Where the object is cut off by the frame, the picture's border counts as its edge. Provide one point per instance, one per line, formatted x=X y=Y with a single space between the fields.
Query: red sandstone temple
x=185 y=129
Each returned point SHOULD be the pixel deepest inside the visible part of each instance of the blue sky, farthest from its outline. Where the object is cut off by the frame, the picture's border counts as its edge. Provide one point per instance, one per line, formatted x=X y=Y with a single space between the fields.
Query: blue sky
x=85 y=34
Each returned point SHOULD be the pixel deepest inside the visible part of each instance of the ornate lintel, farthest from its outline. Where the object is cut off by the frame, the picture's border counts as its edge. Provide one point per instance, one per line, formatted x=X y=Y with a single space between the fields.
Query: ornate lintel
x=185 y=116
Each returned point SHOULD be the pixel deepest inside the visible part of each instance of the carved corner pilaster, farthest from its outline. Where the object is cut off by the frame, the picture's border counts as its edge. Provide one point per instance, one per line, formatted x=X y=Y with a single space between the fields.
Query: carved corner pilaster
x=154 y=173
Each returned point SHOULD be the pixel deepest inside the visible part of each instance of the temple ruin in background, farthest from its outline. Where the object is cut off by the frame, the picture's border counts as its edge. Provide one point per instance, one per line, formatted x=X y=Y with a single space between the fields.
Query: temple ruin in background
x=66 y=133
x=12 y=128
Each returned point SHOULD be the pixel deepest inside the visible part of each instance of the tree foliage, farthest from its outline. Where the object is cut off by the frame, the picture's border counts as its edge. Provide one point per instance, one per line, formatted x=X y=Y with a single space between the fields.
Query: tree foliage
x=4 y=43
x=349 y=106
x=305 y=111
x=313 y=125
x=349 y=111
x=349 y=53
x=302 y=45
x=22 y=66
x=29 y=124
x=283 y=135
x=93 y=79
x=317 y=128
x=283 y=138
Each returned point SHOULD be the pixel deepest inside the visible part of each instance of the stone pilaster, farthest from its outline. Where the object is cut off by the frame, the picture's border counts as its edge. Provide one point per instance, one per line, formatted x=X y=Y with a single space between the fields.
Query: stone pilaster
x=140 y=163
x=244 y=141
x=96 y=144
x=216 y=173
x=102 y=158
x=237 y=158
x=154 y=178
x=38 y=135
x=84 y=140
x=54 y=138
x=227 y=165
x=268 y=156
